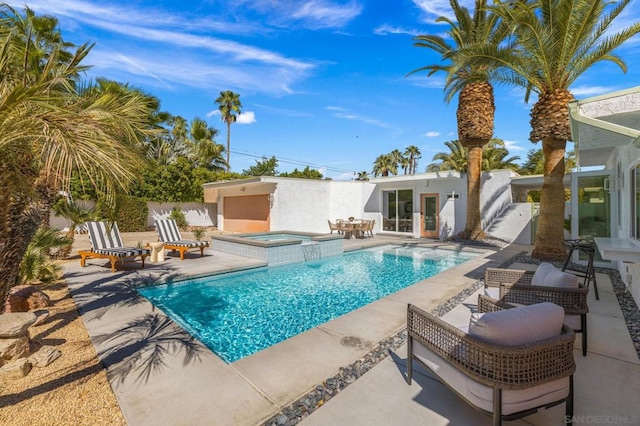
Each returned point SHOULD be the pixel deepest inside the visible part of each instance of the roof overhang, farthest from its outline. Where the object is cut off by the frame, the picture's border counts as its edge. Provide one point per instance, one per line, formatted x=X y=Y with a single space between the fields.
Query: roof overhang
x=601 y=123
x=448 y=174
x=238 y=187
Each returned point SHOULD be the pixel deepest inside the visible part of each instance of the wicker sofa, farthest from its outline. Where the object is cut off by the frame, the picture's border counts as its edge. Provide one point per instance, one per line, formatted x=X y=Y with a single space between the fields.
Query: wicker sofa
x=514 y=286
x=505 y=381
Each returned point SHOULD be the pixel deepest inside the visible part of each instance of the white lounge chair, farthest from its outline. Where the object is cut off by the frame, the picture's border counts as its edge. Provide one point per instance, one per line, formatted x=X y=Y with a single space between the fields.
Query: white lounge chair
x=170 y=235
x=106 y=243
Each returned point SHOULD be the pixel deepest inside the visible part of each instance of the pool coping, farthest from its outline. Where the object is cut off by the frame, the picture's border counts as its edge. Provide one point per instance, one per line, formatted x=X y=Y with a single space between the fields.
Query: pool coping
x=244 y=392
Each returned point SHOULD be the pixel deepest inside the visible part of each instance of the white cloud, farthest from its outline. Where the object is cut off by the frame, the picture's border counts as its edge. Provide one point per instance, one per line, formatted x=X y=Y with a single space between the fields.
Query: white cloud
x=420 y=79
x=247 y=117
x=514 y=146
x=198 y=59
x=432 y=134
x=586 y=91
x=309 y=14
x=436 y=8
x=388 y=29
x=340 y=112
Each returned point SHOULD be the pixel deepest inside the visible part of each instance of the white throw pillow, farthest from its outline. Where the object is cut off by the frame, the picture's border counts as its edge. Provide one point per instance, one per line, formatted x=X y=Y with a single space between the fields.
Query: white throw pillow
x=518 y=326
x=548 y=275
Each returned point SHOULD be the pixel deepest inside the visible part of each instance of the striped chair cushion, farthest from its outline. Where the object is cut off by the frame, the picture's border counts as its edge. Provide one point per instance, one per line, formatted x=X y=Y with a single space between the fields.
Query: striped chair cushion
x=102 y=237
x=168 y=230
x=123 y=252
x=188 y=243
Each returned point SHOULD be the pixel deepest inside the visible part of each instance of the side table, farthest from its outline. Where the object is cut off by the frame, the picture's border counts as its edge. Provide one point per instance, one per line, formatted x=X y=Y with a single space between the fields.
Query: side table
x=157 y=252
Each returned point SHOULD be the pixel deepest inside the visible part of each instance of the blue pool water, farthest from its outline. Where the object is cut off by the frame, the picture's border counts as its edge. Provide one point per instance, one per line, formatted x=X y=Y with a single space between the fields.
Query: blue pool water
x=276 y=237
x=241 y=313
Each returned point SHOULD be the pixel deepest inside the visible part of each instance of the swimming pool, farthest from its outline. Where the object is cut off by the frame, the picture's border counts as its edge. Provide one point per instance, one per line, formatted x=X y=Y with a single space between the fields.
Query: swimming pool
x=241 y=313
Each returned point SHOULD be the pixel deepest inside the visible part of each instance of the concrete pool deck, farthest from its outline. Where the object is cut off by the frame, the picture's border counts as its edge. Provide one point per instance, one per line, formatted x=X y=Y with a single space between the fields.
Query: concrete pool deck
x=161 y=377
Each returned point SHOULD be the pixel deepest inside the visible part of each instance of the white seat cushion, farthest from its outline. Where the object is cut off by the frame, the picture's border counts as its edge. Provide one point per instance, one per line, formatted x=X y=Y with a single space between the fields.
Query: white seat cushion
x=518 y=326
x=548 y=275
x=481 y=395
x=493 y=292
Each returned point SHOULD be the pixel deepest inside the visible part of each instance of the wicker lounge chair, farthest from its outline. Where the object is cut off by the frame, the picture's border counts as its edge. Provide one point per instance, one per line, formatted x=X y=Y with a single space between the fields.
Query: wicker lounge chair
x=170 y=235
x=502 y=380
x=514 y=286
x=106 y=243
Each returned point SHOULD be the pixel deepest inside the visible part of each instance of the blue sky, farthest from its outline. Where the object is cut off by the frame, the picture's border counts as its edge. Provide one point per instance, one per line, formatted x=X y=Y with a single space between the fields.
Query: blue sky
x=322 y=82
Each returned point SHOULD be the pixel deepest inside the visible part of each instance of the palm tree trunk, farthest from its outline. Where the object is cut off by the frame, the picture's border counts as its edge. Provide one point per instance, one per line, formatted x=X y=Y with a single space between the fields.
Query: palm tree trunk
x=228 y=145
x=473 y=229
x=549 y=242
x=23 y=222
x=25 y=215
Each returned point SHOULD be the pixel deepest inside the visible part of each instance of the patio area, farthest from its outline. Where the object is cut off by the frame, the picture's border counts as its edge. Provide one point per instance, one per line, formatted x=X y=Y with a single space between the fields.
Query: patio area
x=173 y=388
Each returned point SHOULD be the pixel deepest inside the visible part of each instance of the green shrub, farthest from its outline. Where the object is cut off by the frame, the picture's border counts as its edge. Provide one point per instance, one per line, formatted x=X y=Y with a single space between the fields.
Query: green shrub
x=178 y=215
x=130 y=215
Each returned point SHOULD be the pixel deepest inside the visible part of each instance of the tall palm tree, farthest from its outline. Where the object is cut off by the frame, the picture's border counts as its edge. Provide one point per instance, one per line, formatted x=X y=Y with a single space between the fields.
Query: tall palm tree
x=50 y=126
x=413 y=153
x=383 y=165
x=229 y=105
x=475 y=113
x=558 y=41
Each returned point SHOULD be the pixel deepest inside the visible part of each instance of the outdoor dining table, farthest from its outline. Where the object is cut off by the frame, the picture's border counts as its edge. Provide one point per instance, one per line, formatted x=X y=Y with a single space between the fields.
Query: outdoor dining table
x=350 y=228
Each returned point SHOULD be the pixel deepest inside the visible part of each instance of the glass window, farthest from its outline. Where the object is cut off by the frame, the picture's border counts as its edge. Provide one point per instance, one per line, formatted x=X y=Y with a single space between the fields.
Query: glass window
x=397 y=210
x=635 y=191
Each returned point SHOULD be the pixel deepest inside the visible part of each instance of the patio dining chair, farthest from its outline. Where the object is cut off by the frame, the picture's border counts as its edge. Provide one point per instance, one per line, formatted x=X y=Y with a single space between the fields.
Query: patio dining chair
x=546 y=284
x=334 y=227
x=511 y=362
x=170 y=235
x=106 y=243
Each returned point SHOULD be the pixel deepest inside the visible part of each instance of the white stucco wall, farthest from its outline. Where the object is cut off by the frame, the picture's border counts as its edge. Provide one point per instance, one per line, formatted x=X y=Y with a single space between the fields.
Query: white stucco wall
x=197 y=214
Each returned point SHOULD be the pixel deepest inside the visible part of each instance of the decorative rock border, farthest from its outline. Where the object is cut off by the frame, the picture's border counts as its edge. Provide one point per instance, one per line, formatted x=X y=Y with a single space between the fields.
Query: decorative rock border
x=301 y=408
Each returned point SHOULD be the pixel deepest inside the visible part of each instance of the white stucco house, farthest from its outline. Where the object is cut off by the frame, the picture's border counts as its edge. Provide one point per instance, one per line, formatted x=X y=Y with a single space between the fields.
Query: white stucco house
x=426 y=205
x=606 y=203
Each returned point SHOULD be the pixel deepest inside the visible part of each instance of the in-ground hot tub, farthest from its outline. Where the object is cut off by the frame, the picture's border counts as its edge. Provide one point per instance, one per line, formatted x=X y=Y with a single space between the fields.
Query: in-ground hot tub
x=280 y=247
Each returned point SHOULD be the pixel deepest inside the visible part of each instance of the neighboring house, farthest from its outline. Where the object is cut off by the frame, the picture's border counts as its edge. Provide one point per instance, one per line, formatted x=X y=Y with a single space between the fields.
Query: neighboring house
x=606 y=203
x=426 y=205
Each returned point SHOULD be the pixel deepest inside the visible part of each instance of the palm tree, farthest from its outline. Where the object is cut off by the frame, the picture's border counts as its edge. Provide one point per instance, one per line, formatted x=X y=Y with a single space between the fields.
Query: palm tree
x=413 y=153
x=383 y=165
x=77 y=214
x=205 y=151
x=455 y=159
x=558 y=41
x=363 y=175
x=396 y=157
x=229 y=106
x=493 y=156
x=50 y=126
x=476 y=107
x=405 y=163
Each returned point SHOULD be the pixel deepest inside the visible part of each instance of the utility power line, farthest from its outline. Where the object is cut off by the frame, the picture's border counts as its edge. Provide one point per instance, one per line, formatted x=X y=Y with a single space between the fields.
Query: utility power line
x=296 y=162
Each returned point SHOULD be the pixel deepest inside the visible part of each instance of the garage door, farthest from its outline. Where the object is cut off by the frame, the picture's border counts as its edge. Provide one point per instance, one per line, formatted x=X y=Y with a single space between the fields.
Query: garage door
x=248 y=213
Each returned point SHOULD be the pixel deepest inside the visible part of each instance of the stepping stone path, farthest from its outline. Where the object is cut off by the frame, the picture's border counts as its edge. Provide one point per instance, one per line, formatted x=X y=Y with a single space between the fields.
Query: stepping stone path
x=16 y=358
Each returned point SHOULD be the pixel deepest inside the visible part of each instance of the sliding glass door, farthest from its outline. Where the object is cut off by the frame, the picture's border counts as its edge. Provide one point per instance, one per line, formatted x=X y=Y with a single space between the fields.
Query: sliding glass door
x=397 y=210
